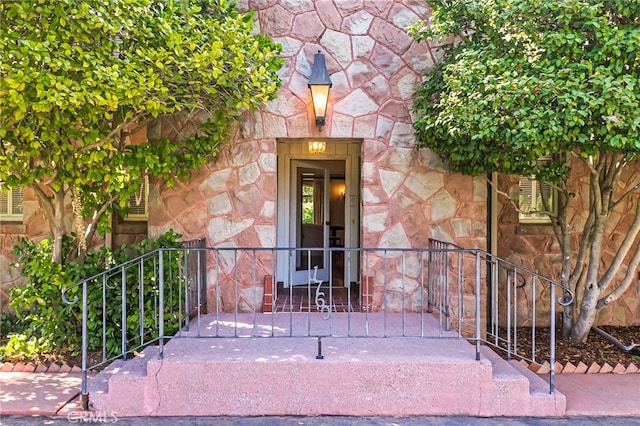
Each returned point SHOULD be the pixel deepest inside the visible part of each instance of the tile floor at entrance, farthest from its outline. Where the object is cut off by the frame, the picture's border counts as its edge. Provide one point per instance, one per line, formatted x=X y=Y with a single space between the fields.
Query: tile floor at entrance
x=303 y=298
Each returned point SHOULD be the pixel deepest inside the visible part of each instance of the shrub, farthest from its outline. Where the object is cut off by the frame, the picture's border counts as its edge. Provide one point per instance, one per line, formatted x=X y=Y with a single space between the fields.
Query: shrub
x=47 y=327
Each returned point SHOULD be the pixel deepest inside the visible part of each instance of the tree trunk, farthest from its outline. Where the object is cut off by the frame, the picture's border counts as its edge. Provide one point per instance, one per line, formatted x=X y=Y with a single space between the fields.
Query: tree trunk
x=588 y=310
x=563 y=235
x=567 y=319
x=569 y=308
x=58 y=225
x=588 y=304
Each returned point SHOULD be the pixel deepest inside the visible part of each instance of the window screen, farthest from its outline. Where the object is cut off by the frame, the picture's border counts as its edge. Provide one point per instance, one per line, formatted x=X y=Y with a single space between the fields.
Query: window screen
x=530 y=200
x=138 y=202
x=11 y=204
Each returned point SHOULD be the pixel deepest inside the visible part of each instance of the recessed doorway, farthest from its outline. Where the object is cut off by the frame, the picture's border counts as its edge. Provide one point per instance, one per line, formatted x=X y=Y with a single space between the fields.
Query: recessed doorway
x=318 y=208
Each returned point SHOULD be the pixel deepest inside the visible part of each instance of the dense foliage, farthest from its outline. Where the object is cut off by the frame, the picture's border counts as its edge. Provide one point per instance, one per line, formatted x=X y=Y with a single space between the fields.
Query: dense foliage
x=80 y=82
x=523 y=79
x=46 y=326
x=531 y=78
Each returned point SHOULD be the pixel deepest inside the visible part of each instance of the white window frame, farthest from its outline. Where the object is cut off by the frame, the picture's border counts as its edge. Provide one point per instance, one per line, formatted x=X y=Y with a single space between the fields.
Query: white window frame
x=532 y=190
x=15 y=209
x=143 y=196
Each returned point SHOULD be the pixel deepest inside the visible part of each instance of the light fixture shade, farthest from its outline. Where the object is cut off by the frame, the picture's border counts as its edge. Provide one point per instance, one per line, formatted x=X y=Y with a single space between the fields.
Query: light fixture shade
x=319 y=85
x=317 y=147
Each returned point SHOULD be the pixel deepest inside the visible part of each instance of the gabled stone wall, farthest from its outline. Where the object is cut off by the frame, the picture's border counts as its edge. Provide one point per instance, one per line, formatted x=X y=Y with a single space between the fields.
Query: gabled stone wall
x=406 y=194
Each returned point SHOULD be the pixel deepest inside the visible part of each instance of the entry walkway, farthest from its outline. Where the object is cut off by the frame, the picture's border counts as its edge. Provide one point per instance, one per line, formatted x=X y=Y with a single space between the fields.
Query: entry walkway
x=44 y=394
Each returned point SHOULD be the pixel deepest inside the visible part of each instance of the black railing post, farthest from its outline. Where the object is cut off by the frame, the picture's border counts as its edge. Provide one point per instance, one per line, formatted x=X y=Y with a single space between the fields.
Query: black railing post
x=85 y=343
x=123 y=312
x=319 y=356
x=161 y=307
x=552 y=341
x=477 y=305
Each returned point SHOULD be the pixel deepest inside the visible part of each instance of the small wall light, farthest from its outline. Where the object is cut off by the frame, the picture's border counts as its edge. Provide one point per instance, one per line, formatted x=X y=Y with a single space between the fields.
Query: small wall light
x=317 y=147
x=319 y=85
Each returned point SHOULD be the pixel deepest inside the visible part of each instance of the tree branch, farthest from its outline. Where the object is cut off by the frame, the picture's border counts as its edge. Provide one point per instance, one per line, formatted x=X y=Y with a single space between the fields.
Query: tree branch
x=596 y=192
x=113 y=132
x=583 y=249
x=626 y=281
x=610 y=179
x=514 y=204
x=135 y=129
x=558 y=221
x=92 y=226
x=589 y=164
x=634 y=187
x=189 y=118
x=45 y=204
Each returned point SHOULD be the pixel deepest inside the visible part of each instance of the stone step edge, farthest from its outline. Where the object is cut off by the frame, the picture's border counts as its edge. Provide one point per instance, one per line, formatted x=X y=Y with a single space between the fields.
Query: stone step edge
x=581 y=368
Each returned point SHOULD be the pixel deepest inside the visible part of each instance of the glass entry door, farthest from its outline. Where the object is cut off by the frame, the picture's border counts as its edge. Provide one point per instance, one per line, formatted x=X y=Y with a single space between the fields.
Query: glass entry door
x=309 y=220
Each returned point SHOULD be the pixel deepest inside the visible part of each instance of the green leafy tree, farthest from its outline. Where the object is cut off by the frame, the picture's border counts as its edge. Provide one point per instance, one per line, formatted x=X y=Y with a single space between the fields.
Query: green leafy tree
x=81 y=79
x=523 y=79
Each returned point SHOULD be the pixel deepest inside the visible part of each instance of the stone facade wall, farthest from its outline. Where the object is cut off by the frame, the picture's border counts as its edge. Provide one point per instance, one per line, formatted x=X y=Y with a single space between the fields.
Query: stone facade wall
x=33 y=225
x=406 y=195
x=534 y=245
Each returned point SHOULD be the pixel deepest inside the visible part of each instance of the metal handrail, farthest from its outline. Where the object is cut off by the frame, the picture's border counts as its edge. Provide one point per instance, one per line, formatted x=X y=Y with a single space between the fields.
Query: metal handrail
x=515 y=280
x=406 y=288
x=120 y=278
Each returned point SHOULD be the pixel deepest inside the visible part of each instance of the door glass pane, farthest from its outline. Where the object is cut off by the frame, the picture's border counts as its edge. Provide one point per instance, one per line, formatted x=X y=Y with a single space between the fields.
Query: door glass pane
x=307 y=203
x=311 y=216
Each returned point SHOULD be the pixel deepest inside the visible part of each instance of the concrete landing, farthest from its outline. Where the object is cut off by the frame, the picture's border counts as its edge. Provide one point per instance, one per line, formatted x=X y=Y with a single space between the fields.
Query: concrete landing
x=358 y=376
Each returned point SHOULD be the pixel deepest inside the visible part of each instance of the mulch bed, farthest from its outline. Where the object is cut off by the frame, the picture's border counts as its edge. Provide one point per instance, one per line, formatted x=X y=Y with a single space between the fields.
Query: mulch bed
x=597 y=349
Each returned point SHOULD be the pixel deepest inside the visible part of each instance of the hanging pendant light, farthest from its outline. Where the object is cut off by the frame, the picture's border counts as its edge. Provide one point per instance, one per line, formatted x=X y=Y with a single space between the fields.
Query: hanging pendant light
x=319 y=85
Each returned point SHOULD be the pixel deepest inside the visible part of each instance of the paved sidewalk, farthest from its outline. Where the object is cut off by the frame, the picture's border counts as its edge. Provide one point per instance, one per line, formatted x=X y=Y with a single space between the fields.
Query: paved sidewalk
x=319 y=421
x=37 y=393
x=600 y=394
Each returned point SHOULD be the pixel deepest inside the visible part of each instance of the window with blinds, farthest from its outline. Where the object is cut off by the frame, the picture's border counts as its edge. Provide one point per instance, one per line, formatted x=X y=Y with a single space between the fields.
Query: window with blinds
x=530 y=200
x=11 y=204
x=138 y=203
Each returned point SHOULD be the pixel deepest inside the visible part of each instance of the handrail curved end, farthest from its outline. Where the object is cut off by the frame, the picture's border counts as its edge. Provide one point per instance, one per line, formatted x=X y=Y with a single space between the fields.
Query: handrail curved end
x=563 y=301
x=66 y=300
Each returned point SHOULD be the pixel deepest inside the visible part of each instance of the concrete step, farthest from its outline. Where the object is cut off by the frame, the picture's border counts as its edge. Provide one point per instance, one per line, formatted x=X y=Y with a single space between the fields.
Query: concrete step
x=510 y=394
x=519 y=392
x=122 y=383
x=543 y=403
x=282 y=376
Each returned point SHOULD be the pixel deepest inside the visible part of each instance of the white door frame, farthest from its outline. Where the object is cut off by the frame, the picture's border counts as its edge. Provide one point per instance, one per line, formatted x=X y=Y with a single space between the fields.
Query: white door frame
x=346 y=150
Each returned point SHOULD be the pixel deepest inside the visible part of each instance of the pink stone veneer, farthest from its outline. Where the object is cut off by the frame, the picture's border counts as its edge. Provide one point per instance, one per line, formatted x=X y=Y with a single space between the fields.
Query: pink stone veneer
x=407 y=196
